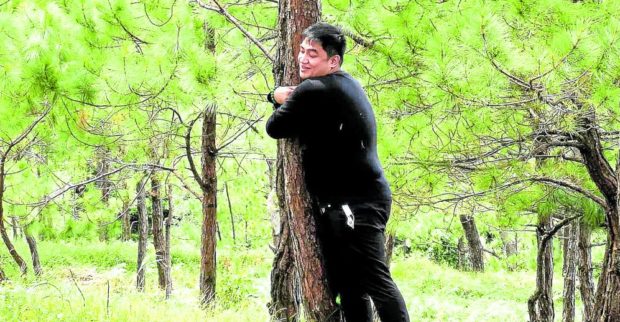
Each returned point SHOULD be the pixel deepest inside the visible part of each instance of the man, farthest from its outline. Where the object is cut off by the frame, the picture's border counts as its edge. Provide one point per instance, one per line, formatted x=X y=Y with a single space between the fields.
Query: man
x=333 y=119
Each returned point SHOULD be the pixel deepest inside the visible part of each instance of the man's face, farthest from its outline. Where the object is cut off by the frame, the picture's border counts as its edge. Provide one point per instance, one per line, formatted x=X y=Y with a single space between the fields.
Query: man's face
x=313 y=60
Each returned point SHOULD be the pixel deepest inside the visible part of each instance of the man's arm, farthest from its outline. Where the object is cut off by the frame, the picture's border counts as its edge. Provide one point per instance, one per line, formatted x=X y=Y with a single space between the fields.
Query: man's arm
x=287 y=119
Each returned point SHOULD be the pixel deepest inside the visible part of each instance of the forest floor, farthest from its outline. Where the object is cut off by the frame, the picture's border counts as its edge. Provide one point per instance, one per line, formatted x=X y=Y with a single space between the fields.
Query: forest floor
x=93 y=281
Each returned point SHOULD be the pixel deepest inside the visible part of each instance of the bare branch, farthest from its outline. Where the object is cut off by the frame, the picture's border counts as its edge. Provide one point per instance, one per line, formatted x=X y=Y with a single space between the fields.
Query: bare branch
x=188 y=153
x=570 y=186
x=29 y=129
x=186 y=186
x=549 y=234
x=235 y=22
x=146 y=12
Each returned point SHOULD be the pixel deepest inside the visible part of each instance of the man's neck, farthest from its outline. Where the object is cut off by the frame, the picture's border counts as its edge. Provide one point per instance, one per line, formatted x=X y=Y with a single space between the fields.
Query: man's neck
x=337 y=69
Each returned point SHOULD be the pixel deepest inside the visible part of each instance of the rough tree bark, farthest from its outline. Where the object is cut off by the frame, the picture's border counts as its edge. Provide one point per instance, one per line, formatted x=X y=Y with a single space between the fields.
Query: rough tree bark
x=208 y=263
x=586 y=281
x=143 y=231
x=298 y=254
x=540 y=304
x=568 y=271
x=34 y=252
x=607 y=307
x=476 y=251
x=159 y=240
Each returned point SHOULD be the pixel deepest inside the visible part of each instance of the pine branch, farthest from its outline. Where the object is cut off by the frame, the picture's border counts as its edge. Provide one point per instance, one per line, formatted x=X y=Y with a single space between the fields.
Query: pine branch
x=221 y=10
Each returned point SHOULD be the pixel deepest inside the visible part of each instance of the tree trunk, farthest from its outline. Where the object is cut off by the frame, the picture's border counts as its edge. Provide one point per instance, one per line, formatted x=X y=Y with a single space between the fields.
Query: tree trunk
x=159 y=240
x=586 y=282
x=540 y=304
x=125 y=222
x=389 y=248
x=568 y=271
x=2 y=276
x=285 y=293
x=232 y=218
x=273 y=208
x=462 y=254
x=297 y=216
x=104 y=184
x=476 y=251
x=23 y=268
x=607 y=307
x=76 y=202
x=5 y=237
x=208 y=262
x=168 y=254
x=15 y=227
x=510 y=247
x=32 y=245
x=143 y=233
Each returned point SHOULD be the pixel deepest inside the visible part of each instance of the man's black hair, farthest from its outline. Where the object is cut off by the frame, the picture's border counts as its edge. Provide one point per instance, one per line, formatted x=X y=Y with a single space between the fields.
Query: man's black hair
x=330 y=37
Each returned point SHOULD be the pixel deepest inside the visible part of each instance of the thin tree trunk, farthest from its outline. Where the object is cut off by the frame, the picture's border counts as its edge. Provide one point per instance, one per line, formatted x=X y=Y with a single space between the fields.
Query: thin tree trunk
x=462 y=254
x=540 y=304
x=2 y=276
x=143 y=230
x=389 y=248
x=232 y=218
x=125 y=222
x=297 y=215
x=5 y=237
x=159 y=240
x=76 y=202
x=23 y=268
x=476 y=251
x=15 y=227
x=103 y=166
x=510 y=247
x=34 y=252
x=168 y=254
x=208 y=261
x=568 y=271
x=586 y=282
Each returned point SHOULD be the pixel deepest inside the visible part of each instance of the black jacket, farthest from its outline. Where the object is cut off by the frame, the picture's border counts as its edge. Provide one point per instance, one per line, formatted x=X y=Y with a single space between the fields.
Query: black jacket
x=336 y=127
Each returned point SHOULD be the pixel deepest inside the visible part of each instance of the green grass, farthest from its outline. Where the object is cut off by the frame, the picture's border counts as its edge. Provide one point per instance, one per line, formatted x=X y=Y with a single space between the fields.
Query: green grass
x=438 y=293
x=74 y=287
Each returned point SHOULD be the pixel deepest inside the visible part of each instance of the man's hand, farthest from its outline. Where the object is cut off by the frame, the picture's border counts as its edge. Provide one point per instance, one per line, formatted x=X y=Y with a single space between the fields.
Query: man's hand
x=282 y=93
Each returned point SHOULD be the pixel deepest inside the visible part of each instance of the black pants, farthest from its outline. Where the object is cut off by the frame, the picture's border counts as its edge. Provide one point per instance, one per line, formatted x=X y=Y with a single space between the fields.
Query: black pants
x=355 y=261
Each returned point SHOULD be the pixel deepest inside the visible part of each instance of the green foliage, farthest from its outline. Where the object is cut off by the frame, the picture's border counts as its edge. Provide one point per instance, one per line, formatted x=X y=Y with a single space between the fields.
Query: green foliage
x=113 y=69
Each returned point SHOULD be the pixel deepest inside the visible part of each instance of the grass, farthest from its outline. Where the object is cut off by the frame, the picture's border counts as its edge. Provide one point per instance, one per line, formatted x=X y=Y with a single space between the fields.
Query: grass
x=77 y=275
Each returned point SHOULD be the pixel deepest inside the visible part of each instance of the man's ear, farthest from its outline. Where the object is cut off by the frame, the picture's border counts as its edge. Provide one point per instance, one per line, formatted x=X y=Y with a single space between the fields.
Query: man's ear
x=334 y=61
